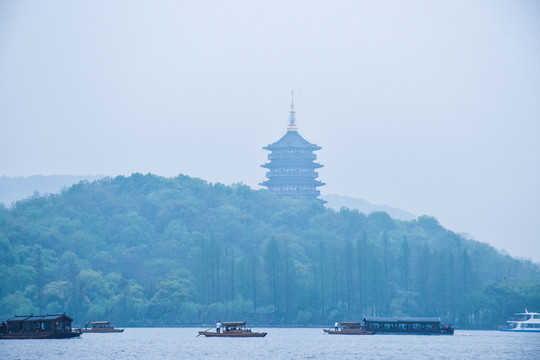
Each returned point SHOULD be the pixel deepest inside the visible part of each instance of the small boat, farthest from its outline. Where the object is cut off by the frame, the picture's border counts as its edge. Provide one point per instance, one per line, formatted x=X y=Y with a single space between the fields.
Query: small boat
x=38 y=327
x=100 y=327
x=407 y=325
x=349 y=328
x=523 y=322
x=233 y=329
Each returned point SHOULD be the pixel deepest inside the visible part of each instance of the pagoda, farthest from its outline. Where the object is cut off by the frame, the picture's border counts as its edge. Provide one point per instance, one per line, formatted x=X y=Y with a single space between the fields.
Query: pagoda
x=292 y=167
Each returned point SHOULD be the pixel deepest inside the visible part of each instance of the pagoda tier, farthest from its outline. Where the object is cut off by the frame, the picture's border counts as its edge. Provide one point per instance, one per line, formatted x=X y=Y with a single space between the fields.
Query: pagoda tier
x=292 y=167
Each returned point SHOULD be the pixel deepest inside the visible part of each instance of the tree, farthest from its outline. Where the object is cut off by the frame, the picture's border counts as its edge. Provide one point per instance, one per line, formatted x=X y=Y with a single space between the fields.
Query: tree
x=404 y=263
x=272 y=263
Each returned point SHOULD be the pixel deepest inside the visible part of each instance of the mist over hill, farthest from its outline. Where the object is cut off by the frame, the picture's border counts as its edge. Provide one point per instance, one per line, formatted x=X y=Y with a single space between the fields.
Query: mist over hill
x=17 y=188
x=148 y=250
x=336 y=202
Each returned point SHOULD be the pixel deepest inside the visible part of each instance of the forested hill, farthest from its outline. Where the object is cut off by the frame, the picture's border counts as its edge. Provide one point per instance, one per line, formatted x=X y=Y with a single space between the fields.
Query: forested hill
x=148 y=250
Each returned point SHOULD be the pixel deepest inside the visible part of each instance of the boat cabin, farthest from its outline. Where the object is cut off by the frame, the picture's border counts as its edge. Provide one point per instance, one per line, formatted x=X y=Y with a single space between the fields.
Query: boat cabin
x=101 y=324
x=234 y=326
x=406 y=325
x=40 y=323
x=525 y=317
x=352 y=325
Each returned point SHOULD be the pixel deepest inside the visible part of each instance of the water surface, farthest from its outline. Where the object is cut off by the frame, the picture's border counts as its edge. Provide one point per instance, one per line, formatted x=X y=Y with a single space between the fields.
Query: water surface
x=294 y=343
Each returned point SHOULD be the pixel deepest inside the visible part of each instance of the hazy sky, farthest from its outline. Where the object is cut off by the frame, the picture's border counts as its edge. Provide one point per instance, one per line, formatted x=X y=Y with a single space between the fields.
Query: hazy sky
x=429 y=106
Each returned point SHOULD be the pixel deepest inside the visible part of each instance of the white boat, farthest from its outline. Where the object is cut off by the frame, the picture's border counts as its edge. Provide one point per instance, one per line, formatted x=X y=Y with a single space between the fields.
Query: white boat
x=523 y=322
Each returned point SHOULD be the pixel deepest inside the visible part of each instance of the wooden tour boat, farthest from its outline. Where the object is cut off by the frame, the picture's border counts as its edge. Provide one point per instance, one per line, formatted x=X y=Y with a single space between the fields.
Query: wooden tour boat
x=349 y=328
x=233 y=329
x=100 y=327
x=38 y=327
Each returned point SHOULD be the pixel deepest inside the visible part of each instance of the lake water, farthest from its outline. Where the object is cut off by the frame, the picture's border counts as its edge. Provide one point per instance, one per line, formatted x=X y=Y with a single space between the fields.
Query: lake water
x=280 y=343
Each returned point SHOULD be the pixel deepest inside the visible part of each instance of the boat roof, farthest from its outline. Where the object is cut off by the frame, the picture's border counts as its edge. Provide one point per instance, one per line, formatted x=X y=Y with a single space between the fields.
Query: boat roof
x=405 y=319
x=348 y=323
x=100 y=322
x=234 y=323
x=39 y=317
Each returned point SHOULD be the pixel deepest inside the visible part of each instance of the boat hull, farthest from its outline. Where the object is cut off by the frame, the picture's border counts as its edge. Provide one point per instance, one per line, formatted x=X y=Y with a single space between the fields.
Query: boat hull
x=232 y=334
x=348 y=332
x=448 y=331
x=41 y=335
x=521 y=330
x=100 y=331
x=412 y=333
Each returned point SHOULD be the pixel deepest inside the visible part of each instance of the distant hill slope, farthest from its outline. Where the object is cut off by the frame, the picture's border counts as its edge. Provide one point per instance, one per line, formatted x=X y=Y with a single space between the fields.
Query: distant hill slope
x=336 y=202
x=147 y=250
x=18 y=188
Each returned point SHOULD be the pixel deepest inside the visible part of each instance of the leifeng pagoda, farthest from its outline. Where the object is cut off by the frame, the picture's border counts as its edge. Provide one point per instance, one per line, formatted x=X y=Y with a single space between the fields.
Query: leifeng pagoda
x=292 y=167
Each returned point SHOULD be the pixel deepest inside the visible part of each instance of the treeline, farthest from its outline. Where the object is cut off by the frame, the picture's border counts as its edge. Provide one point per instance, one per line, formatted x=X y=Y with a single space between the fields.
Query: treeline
x=146 y=250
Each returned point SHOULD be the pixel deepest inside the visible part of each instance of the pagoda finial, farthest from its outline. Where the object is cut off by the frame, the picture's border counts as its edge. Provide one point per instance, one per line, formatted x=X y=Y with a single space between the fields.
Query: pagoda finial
x=292 y=114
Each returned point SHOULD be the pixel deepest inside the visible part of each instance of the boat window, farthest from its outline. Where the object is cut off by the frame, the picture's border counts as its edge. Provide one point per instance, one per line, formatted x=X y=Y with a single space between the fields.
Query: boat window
x=536 y=316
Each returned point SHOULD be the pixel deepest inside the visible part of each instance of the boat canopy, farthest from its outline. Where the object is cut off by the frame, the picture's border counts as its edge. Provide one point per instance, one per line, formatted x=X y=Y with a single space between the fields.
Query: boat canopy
x=351 y=325
x=234 y=323
x=394 y=320
x=35 y=318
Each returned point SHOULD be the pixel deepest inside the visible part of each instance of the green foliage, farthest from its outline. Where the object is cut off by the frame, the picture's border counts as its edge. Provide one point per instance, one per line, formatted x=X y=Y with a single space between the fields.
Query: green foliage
x=148 y=250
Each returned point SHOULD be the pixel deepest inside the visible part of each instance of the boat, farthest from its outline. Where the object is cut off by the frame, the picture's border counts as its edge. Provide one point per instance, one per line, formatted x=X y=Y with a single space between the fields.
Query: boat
x=407 y=325
x=38 y=327
x=100 y=327
x=233 y=329
x=523 y=322
x=349 y=328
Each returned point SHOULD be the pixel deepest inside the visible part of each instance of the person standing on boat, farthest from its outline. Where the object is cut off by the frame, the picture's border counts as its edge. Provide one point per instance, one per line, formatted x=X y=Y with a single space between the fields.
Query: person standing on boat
x=218 y=326
x=336 y=325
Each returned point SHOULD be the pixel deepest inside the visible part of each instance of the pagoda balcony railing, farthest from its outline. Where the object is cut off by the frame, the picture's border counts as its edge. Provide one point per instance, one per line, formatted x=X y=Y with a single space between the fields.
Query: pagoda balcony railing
x=292 y=156
x=279 y=164
x=292 y=175
x=292 y=192
x=296 y=182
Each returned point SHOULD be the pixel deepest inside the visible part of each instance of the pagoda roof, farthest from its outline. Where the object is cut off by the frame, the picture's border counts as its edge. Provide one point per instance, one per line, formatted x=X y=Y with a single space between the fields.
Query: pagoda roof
x=292 y=139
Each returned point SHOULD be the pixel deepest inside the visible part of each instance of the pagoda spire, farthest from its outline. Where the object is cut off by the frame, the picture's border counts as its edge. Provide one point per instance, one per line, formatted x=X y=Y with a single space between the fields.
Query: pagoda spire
x=292 y=115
